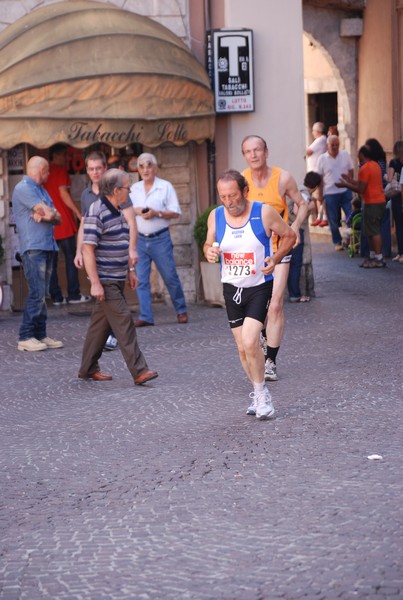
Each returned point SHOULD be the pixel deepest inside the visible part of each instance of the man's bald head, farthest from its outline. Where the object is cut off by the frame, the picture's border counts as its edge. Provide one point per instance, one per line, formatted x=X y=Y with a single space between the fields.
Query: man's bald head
x=38 y=169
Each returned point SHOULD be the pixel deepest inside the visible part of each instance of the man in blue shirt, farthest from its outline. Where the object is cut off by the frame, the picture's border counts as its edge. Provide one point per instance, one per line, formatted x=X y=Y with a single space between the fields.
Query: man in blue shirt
x=35 y=216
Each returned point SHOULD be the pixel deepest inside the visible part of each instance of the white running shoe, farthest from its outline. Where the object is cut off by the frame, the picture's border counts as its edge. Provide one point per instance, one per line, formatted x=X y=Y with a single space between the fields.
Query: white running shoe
x=59 y=302
x=265 y=408
x=111 y=343
x=251 y=410
x=50 y=343
x=270 y=370
x=81 y=300
x=31 y=345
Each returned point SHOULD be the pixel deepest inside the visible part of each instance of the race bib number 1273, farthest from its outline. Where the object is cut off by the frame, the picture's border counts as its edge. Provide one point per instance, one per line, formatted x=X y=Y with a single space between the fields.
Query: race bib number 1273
x=239 y=264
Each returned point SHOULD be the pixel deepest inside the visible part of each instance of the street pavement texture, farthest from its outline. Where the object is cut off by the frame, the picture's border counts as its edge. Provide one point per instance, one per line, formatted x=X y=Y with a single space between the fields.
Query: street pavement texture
x=170 y=491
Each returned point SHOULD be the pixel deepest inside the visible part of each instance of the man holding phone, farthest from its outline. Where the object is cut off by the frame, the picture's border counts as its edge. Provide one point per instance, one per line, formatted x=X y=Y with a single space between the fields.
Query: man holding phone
x=155 y=203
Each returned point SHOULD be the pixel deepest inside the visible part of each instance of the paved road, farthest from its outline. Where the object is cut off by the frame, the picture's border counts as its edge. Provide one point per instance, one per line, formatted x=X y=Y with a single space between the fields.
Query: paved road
x=171 y=492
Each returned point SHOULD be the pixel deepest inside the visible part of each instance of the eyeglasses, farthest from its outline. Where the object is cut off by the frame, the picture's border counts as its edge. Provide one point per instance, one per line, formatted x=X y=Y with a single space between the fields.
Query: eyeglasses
x=147 y=163
x=124 y=187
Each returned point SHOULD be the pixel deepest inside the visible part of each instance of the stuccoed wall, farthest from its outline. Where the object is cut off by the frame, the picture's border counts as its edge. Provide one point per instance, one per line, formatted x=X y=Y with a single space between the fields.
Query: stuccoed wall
x=279 y=83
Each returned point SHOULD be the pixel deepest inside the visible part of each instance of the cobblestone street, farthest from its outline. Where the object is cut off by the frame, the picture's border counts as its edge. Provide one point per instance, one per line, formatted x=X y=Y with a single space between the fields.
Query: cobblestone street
x=170 y=491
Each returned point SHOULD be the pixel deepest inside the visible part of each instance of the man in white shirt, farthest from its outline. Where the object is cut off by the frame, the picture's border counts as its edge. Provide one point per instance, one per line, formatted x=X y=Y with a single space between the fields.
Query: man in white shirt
x=313 y=152
x=318 y=146
x=155 y=203
x=332 y=165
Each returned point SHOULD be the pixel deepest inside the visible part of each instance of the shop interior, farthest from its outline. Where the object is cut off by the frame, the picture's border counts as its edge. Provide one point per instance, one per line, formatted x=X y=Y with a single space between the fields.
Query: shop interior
x=123 y=158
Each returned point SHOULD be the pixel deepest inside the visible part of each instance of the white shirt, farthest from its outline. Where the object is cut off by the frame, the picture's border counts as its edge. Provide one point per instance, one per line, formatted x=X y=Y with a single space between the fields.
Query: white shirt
x=332 y=169
x=318 y=147
x=161 y=197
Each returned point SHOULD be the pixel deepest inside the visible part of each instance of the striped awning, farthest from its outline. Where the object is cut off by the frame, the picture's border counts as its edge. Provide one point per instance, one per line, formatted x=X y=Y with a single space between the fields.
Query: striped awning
x=83 y=72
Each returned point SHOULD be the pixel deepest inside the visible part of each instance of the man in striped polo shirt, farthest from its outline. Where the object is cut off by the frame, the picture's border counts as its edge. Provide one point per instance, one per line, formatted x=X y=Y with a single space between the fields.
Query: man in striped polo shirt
x=106 y=254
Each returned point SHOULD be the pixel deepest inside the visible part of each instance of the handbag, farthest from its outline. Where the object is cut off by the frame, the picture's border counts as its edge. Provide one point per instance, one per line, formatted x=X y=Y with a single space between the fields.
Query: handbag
x=392 y=189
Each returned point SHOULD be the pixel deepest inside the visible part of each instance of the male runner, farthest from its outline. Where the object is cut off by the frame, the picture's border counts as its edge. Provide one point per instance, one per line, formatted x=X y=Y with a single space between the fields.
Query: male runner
x=243 y=230
x=271 y=185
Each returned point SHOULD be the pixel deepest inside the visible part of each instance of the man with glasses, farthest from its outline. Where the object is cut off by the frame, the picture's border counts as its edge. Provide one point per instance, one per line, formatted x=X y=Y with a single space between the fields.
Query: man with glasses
x=155 y=203
x=96 y=165
x=105 y=252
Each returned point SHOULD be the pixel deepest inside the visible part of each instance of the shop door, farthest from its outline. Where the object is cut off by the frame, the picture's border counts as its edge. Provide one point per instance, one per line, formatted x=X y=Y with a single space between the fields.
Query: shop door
x=323 y=107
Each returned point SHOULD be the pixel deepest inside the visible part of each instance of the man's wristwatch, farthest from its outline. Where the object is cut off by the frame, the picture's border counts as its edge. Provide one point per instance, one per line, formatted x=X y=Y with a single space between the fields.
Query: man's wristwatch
x=160 y=214
x=132 y=270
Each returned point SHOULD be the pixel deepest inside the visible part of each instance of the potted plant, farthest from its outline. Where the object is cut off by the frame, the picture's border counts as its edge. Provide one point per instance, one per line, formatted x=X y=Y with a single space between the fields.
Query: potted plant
x=1 y=250
x=210 y=272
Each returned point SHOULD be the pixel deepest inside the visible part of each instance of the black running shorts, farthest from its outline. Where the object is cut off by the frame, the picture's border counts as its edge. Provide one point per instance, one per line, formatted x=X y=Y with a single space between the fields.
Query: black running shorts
x=250 y=302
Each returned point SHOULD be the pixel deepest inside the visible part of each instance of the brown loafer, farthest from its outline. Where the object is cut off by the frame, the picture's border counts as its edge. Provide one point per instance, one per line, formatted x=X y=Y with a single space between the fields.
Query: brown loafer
x=97 y=376
x=182 y=318
x=144 y=377
x=141 y=323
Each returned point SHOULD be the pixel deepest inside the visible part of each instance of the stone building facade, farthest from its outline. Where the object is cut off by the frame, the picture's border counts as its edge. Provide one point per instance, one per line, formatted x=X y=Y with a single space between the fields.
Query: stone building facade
x=338 y=60
x=353 y=50
x=177 y=160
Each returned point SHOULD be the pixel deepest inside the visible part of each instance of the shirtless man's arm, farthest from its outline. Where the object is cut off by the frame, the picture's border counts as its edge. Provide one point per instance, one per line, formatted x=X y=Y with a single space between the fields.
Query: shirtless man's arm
x=288 y=186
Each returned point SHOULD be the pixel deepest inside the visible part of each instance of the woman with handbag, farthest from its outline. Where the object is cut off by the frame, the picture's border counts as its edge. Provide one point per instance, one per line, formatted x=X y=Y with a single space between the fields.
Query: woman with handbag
x=394 y=170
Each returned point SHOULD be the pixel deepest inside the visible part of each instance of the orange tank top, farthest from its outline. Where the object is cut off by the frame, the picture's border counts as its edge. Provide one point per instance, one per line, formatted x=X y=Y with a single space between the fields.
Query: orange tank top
x=268 y=194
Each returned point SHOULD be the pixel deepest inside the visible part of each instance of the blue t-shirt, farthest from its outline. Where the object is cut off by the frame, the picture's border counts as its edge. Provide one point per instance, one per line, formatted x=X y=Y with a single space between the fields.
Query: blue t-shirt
x=33 y=236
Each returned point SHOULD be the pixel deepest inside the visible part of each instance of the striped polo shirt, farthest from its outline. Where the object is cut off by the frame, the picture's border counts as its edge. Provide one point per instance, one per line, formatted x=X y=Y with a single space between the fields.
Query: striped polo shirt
x=106 y=228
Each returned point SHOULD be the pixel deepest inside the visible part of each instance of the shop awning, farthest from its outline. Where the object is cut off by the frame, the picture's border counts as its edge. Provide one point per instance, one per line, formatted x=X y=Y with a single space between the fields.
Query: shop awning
x=83 y=72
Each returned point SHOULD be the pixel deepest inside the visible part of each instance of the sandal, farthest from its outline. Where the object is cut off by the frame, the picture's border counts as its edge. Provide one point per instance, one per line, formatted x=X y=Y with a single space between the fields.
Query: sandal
x=305 y=299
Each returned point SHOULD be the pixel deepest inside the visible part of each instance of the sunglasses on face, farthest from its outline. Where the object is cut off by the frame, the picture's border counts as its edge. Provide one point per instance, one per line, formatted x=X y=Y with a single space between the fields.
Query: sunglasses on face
x=147 y=163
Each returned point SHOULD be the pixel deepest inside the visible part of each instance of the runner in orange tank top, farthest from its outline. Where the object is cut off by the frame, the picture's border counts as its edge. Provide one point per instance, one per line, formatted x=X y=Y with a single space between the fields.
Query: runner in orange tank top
x=271 y=185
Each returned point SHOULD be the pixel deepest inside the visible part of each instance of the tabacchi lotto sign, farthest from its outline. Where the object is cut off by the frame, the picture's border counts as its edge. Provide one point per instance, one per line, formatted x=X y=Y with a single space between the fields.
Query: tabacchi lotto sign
x=230 y=67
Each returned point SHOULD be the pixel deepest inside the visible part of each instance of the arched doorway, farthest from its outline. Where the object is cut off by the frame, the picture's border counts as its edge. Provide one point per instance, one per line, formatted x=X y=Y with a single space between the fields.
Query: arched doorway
x=325 y=91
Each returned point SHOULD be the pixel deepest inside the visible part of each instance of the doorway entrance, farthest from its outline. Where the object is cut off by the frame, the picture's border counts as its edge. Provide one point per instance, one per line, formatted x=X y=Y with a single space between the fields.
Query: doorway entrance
x=323 y=107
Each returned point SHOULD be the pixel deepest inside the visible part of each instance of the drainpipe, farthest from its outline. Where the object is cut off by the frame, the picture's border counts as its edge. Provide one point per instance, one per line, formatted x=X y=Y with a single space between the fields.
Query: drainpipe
x=397 y=82
x=211 y=150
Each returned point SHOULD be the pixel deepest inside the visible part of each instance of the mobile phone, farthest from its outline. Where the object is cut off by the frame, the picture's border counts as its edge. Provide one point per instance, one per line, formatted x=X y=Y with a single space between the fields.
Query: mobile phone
x=145 y=210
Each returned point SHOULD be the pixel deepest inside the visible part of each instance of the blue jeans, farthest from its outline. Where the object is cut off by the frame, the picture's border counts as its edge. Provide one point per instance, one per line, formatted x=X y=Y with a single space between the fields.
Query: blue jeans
x=37 y=268
x=294 y=274
x=68 y=246
x=160 y=250
x=335 y=202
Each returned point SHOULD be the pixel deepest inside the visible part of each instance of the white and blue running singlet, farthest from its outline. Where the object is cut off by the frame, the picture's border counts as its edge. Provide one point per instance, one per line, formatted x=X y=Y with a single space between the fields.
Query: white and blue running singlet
x=243 y=249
